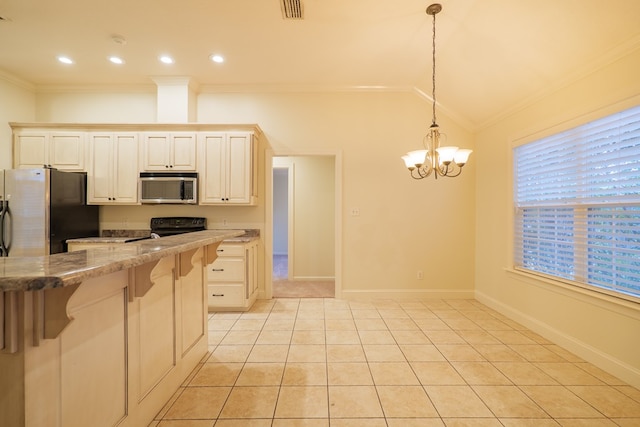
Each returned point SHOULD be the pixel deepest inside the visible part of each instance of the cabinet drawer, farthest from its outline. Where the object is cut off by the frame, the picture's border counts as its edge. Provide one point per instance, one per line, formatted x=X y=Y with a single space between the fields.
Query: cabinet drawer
x=230 y=250
x=225 y=295
x=226 y=270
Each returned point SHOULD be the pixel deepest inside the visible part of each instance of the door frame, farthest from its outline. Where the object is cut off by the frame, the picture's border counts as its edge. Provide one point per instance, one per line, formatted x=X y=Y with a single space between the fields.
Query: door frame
x=268 y=238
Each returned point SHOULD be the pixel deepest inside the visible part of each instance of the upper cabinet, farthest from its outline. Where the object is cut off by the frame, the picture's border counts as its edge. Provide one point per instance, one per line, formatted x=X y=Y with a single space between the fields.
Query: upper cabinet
x=169 y=151
x=113 y=155
x=64 y=150
x=113 y=168
x=227 y=168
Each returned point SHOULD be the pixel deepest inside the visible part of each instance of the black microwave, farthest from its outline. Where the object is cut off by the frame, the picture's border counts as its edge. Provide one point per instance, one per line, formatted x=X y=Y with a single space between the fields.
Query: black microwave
x=168 y=187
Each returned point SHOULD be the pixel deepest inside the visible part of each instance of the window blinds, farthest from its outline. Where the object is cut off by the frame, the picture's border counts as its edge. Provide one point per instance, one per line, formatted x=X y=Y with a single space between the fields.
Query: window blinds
x=577 y=201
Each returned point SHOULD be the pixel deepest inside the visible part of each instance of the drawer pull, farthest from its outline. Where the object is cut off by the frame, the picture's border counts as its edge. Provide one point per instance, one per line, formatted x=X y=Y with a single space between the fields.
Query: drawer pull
x=217 y=269
x=217 y=295
x=220 y=250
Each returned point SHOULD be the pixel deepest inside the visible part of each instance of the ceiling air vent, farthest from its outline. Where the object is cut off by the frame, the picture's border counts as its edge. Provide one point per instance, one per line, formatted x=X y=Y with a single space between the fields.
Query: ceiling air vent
x=291 y=9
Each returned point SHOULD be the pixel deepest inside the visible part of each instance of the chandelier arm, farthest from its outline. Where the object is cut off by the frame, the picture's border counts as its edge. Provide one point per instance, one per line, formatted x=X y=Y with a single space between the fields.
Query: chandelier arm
x=456 y=174
x=422 y=172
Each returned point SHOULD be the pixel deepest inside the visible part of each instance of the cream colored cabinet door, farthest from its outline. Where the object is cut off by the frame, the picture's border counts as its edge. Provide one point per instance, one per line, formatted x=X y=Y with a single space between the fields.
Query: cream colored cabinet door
x=113 y=171
x=239 y=168
x=226 y=172
x=211 y=172
x=163 y=151
x=57 y=149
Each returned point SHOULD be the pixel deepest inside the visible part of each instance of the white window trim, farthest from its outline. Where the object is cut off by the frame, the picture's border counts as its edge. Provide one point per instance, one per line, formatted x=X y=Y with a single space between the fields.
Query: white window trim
x=594 y=294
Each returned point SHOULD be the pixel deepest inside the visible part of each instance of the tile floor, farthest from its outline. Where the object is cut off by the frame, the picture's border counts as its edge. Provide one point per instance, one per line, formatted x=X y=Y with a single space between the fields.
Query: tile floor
x=392 y=363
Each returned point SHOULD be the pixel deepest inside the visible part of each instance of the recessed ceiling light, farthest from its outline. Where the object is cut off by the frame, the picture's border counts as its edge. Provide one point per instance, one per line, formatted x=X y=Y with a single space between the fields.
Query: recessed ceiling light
x=166 y=59
x=65 y=60
x=116 y=60
x=217 y=58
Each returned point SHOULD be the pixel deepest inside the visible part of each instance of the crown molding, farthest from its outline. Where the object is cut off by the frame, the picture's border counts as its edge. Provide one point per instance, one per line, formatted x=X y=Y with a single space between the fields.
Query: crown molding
x=287 y=88
x=120 y=88
x=17 y=81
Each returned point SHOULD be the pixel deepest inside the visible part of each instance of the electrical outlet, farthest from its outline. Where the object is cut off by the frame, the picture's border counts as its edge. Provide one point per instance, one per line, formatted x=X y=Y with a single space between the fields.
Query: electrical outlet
x=420 y=275
x=224 y=222
x=355 y=212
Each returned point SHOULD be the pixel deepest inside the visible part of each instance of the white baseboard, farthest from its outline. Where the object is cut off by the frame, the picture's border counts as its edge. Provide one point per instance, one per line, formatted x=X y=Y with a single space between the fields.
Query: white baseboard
x=604 y=361
x=406 y=293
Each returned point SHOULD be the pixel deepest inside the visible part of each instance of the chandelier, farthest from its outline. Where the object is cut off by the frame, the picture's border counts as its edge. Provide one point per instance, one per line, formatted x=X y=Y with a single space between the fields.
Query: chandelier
x=435 y=159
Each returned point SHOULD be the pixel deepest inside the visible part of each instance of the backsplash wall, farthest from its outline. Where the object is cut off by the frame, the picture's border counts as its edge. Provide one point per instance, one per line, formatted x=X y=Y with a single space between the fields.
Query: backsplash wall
x=138 y=217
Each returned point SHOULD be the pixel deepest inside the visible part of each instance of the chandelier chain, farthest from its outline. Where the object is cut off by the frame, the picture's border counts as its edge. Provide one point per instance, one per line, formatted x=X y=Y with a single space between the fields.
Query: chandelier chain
x=433 y=71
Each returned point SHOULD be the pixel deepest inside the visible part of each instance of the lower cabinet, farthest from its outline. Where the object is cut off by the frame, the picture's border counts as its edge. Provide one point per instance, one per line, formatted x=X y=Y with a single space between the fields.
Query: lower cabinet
x=232 y=278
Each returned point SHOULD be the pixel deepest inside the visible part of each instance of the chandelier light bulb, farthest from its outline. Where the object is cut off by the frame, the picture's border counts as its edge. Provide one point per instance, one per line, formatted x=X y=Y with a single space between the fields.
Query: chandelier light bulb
x=461 y=156
x=446 y=154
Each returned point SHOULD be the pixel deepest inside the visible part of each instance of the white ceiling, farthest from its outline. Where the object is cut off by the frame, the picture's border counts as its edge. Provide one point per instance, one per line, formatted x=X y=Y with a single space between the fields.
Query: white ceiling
x=491 y=55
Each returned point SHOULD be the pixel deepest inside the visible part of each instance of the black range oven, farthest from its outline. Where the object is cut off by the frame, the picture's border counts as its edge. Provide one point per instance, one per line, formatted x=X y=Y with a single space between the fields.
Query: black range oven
x=169 y=226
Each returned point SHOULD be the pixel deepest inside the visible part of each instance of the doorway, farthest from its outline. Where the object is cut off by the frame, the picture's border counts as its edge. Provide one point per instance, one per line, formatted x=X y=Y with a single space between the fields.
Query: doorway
x=303 y=223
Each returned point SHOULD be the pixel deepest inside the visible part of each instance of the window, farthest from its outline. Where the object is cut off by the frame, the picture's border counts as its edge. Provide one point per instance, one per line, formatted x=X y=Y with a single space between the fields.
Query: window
x=577 y=205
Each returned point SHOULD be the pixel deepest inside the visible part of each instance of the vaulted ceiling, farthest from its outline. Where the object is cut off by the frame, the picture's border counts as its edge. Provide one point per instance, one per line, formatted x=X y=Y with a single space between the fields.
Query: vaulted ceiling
x=491 y=55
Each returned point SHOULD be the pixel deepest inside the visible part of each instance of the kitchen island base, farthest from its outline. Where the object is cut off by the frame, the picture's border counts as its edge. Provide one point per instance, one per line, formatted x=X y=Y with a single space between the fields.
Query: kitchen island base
x=113 y=354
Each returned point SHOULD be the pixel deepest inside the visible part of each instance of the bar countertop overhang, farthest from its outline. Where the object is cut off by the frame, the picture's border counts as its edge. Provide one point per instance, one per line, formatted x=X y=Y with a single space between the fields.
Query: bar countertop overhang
x=71 y=268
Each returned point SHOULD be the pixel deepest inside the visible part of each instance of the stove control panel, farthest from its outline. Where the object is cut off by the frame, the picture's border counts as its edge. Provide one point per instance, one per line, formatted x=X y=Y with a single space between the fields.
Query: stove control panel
x=176 y=222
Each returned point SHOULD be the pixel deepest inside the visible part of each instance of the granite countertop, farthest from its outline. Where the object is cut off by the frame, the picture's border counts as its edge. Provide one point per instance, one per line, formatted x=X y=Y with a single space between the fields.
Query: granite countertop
x=70 y=268
x=128 y=236
x=246 y=237
x=106 y=239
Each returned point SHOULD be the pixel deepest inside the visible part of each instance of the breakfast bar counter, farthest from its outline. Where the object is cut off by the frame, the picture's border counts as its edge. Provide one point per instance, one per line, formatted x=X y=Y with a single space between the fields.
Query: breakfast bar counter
x=70 y=268
x=105 y=336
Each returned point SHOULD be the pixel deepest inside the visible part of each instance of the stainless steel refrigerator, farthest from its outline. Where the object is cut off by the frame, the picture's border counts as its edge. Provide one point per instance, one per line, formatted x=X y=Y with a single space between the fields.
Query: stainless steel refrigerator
x=41 y=208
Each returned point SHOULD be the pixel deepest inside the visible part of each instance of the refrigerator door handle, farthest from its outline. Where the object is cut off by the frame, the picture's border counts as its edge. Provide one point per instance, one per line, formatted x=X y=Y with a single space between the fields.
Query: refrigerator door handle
x=3 y=209
x=5 y=228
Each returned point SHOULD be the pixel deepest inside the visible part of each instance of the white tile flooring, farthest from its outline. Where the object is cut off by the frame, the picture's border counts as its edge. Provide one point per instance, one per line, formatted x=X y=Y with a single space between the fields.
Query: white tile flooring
x=334 y=363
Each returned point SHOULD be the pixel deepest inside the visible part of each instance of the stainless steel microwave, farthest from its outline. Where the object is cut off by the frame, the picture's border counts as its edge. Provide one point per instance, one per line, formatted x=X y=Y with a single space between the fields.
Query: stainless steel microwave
x=168 y=187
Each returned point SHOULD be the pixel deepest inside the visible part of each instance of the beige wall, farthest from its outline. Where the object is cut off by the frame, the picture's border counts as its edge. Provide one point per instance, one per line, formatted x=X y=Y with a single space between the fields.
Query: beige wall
x=17 y=104
x=97 y=105
x=601 y=330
